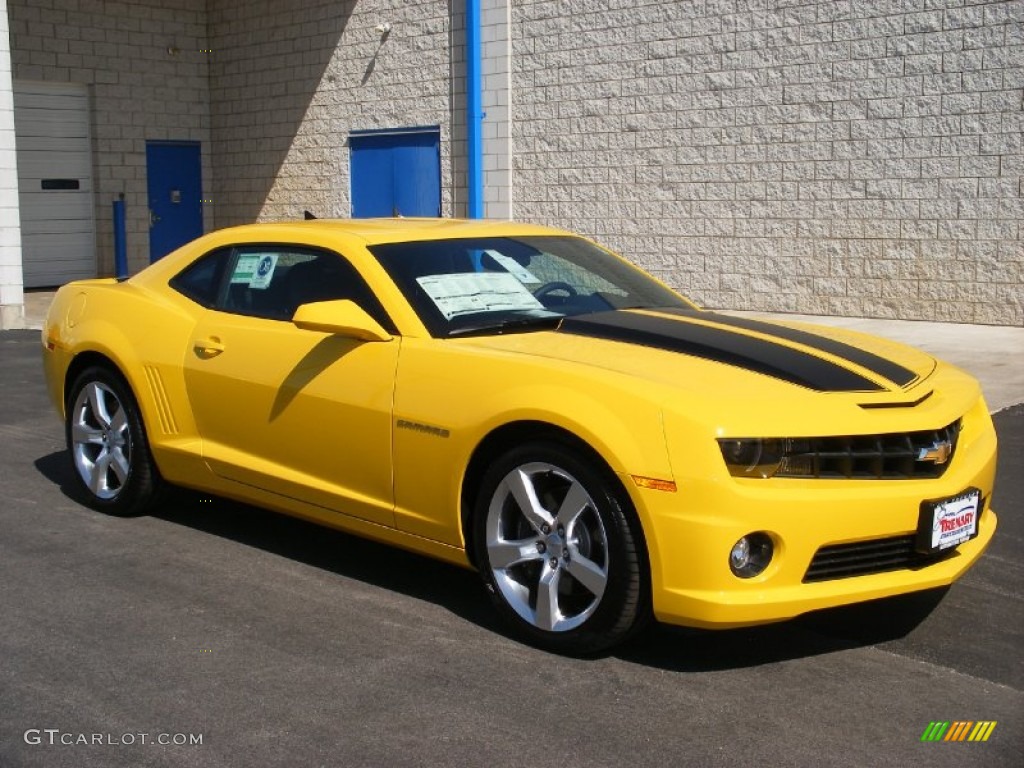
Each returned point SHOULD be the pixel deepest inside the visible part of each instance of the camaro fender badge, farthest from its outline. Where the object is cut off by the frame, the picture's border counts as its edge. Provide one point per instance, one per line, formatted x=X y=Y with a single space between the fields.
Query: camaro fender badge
x=425 y=428
x=938 y=452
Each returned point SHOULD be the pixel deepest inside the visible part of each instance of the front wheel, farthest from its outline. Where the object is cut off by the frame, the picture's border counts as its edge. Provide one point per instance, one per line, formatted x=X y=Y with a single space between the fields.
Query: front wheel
x=107 y=443
x=557 y=550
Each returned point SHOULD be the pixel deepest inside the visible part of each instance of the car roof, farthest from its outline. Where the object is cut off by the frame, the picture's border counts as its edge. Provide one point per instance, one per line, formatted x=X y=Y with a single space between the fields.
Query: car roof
x=374 y=231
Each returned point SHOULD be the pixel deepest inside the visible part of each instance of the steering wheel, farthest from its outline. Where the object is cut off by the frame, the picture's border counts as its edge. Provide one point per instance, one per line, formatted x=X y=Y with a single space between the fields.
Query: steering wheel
x=555 y=285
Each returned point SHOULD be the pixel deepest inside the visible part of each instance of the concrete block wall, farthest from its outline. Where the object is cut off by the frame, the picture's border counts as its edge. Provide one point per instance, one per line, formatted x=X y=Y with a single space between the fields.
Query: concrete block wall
x=289 y=81
x=496 y=64
x=858 y=158
x=145 y=63
x=12 y=301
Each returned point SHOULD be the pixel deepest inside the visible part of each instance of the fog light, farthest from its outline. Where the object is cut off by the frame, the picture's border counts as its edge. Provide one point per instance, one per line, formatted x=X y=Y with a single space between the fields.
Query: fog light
x=751 y=555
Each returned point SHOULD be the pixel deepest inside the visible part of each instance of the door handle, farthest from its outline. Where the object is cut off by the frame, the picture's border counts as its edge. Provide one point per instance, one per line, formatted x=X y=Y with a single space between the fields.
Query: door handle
x=207 y=348
x=153 y=218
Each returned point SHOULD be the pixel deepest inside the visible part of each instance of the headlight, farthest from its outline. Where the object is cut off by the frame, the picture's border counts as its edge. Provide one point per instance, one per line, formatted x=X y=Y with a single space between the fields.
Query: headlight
x=753 y=457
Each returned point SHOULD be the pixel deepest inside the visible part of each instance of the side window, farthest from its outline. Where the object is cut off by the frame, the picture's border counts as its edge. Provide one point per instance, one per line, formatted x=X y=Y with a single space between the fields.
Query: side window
x=201 y=280
x=261 y=281
x=272 y=281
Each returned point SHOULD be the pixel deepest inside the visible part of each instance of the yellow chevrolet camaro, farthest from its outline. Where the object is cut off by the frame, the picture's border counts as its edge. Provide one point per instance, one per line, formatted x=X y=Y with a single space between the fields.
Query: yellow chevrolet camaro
x=519 y=400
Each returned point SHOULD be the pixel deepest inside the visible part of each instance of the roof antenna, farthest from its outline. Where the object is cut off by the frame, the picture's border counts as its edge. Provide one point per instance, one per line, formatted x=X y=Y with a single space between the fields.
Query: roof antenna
x=308 y=216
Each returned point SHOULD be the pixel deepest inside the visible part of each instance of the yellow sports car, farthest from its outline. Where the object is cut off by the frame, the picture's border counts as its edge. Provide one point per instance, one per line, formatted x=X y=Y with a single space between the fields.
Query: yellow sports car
x=519 y=400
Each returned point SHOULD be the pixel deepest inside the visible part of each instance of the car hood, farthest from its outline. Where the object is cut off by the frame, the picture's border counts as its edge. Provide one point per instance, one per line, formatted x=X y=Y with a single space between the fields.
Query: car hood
x=700 y=351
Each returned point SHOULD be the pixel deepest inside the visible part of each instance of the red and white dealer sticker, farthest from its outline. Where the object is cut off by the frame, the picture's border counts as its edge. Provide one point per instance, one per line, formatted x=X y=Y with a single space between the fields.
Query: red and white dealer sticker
x=948 y=522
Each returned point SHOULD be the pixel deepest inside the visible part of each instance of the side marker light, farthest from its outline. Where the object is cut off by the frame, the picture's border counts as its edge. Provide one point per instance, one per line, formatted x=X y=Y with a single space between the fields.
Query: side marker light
x=654 y=483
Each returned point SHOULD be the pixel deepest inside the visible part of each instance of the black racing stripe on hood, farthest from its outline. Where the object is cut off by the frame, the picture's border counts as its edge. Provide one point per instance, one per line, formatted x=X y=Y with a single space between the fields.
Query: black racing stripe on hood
x=720 y=345
x=892 y=371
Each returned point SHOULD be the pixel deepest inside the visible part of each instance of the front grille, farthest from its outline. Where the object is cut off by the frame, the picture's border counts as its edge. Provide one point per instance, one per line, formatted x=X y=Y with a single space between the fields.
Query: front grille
x=840 y=561
x=881 y=457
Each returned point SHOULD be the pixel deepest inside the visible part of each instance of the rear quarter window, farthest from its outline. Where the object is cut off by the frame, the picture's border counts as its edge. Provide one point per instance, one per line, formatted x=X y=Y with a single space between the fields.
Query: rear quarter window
x=201 y=281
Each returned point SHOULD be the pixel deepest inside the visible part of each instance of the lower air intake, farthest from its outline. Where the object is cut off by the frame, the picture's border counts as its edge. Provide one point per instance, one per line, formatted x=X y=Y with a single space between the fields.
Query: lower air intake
x=841 y=561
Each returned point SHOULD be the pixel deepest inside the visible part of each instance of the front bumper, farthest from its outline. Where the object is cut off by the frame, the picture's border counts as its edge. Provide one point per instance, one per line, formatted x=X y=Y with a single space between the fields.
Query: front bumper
x=722 y=608
x=691 y=532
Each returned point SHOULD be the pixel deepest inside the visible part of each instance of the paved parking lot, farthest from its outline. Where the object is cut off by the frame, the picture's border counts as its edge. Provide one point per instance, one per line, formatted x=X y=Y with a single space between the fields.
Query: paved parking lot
x=279 y=643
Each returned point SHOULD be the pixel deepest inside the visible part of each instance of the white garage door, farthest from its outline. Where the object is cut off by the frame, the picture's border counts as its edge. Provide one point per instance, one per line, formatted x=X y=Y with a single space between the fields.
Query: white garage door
x=58 y=234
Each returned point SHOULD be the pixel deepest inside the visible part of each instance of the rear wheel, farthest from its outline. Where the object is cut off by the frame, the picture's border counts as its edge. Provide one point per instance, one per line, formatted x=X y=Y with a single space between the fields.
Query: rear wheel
x=108 y=446
x=557 y=550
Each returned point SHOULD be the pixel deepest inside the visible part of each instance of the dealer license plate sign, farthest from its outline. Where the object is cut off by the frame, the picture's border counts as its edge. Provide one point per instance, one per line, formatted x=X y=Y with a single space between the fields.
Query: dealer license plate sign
x=945 y=523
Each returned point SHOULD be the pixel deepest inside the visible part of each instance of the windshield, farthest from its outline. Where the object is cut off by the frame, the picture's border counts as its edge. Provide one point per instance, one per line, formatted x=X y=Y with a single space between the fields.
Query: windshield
x=498 y=284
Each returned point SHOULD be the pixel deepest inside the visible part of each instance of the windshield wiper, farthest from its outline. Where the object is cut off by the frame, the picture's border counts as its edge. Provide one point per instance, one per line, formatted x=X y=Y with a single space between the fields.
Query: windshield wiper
x=513 y=325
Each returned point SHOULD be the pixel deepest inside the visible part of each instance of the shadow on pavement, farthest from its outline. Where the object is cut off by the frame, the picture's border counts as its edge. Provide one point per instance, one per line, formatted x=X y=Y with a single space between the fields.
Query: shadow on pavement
x=56 y=468
x=459 y=591
x=836 y=629
x=453 y=588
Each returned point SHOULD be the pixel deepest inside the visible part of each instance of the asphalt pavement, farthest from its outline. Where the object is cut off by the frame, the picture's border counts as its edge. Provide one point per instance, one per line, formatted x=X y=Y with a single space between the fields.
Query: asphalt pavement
x=277 y=643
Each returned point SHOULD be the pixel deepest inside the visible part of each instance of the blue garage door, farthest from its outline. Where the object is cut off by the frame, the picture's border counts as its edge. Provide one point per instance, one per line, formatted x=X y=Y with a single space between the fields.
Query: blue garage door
x=396 y=173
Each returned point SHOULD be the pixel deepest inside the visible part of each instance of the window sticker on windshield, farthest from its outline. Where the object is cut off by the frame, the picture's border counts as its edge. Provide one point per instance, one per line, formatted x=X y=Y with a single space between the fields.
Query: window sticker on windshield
x=523 y=275
x=466 y=293
x=245 y=268
x=264 y=271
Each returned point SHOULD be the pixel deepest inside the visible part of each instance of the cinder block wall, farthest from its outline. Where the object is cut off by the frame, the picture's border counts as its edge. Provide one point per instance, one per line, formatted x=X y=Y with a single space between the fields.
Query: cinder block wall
x=289 y=81
x=146 y=65
x=859 y=158
x=496 y=71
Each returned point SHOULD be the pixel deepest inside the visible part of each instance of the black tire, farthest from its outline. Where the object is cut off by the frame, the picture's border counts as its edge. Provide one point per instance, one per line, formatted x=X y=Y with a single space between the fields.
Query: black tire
x=107 y=444
x=592 y=593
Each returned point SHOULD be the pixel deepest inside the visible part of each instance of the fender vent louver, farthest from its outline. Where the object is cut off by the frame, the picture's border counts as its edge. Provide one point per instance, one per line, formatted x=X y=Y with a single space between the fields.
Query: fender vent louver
x=168 y=424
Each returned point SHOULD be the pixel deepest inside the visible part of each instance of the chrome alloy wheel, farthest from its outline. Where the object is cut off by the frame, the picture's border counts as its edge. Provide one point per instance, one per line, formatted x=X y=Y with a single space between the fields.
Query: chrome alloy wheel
x=101 y=440
x=547 y=547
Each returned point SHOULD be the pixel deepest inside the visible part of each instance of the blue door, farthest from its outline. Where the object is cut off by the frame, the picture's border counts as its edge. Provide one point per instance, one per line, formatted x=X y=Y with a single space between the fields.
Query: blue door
x=396 y=173
x=174 y=183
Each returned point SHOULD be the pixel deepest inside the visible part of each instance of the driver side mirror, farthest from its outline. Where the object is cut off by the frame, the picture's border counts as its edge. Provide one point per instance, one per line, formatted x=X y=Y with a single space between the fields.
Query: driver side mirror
x=342 y=317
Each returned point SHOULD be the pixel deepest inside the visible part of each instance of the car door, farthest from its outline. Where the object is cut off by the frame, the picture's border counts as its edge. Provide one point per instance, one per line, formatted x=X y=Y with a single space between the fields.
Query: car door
x=297 y=413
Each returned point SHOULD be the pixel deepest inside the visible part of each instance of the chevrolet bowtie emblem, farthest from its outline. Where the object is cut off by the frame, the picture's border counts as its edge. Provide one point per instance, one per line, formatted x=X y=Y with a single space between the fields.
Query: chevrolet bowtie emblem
x=937 y=453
